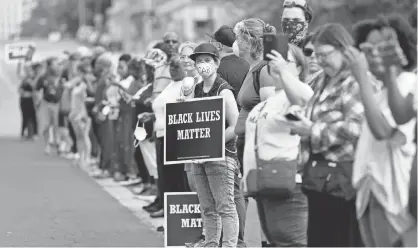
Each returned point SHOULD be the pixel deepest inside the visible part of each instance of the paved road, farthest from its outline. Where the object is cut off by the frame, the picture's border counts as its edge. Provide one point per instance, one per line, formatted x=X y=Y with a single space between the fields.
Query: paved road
x=46 y=201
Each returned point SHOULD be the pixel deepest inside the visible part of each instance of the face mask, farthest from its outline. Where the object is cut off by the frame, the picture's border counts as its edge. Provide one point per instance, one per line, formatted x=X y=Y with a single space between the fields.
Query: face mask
x=295 y=29
x=140 y=134
x=205 y=69
x=235 y=48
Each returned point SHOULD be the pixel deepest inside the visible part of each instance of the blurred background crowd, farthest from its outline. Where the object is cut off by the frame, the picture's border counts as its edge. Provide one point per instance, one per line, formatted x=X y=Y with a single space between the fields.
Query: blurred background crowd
x=132 y=24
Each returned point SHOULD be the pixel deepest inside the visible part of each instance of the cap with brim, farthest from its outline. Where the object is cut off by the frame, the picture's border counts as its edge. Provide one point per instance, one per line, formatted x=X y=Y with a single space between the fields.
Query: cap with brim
x=224 y=35
x=204 y=48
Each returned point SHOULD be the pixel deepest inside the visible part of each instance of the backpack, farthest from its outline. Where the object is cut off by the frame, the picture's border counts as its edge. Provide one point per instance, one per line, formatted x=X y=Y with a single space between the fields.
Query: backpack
x=256 y=76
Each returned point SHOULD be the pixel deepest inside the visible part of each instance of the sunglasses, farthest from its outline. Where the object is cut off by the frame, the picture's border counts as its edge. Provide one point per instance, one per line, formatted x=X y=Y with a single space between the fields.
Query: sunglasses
x=308 y=52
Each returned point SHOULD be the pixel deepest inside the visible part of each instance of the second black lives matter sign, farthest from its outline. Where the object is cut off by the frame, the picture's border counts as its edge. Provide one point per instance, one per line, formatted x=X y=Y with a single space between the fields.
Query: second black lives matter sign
x=195 y=131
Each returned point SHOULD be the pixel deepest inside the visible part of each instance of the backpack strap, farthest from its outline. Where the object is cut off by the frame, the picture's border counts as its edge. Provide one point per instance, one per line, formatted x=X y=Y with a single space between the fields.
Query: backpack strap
x=256 y=76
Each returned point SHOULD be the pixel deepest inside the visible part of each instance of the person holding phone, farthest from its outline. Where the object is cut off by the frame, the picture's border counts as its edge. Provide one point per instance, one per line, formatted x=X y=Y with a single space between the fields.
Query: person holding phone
x=284 y=221
x=386 y=148
x=329 y=132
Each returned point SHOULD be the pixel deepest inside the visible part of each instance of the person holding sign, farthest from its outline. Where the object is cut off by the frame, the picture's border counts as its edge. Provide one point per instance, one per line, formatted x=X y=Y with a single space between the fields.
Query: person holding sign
x=171 y=178
x=215 y=180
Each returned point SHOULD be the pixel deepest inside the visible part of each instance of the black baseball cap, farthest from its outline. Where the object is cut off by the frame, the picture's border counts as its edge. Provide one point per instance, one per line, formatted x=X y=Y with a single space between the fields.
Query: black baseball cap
x=224 y=35
x=204 y=48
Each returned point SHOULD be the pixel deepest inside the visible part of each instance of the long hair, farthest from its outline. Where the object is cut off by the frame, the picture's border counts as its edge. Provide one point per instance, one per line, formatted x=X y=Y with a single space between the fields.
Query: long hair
x=405 y=33
x=301 y=61
x=333 y=34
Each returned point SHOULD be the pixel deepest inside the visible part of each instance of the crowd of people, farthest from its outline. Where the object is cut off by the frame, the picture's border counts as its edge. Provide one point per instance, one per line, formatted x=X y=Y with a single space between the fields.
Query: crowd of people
x=321 y=140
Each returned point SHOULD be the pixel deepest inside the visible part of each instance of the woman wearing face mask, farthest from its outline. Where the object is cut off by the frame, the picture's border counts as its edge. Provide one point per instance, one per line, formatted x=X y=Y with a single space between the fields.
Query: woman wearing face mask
x=284 y=220
x=215 y=180
x=171 y=178
x=257 y=85
x=296 y=17
x=329 y=135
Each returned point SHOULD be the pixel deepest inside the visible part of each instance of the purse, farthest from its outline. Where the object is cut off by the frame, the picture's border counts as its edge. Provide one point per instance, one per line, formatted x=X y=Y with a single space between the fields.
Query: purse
x=324 y=176
x=271 y=177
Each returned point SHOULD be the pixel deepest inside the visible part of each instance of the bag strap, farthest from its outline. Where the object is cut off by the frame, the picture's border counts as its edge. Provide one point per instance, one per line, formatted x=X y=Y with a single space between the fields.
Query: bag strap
x=256 y=71
x=257 y=155
x=219 y=88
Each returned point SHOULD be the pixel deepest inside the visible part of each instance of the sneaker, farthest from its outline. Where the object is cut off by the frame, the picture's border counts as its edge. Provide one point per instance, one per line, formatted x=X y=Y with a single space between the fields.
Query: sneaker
x=130 y=182
x=119 y=177
x=100 y=174
x=199 y=242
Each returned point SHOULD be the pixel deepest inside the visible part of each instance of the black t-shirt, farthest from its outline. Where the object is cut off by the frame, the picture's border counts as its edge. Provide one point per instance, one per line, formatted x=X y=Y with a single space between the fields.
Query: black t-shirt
x=219 y=85
x=52 y=87
x=26 y=85
x=234 y=69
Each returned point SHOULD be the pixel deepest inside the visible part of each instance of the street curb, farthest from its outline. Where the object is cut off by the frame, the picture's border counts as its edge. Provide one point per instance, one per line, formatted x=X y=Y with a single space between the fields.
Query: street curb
x=125 y=197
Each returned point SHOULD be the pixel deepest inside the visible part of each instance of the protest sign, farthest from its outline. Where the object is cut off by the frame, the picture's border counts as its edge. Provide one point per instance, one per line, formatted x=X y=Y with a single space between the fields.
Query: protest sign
x=17 y=51
x=183 y=222
x=195 y=131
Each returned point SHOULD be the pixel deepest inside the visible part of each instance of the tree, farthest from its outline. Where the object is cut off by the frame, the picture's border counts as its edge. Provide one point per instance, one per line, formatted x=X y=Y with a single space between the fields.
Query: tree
x=50 y=15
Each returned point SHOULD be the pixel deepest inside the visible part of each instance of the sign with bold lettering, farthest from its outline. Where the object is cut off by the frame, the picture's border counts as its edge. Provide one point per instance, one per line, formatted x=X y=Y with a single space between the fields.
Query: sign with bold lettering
x=16 y=51
x=195 y=131
x=183 y=222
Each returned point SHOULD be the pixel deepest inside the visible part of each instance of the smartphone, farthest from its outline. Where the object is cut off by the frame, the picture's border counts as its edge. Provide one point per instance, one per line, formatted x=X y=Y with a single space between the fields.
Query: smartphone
x=279 y=42
x=292 y=117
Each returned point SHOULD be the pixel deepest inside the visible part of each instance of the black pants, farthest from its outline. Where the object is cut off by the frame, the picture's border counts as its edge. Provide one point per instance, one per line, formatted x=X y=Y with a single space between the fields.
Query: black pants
x=240 y=151
x=29 y=121
x=332 y=222
x=171 y=178
x=72 y=135
x=94 y=137
x=142 y=168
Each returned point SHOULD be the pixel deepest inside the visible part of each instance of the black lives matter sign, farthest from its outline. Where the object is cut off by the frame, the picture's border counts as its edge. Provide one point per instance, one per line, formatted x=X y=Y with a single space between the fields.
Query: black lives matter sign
x=195 y=131
x=183 y=222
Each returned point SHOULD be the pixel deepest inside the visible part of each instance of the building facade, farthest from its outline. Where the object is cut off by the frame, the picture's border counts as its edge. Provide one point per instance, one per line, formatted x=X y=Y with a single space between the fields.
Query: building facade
x=13 y=13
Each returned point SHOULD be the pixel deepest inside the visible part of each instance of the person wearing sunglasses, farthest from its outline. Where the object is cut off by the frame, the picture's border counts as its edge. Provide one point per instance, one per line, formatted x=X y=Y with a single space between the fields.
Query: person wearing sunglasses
x=296 y=17
x=309 y=52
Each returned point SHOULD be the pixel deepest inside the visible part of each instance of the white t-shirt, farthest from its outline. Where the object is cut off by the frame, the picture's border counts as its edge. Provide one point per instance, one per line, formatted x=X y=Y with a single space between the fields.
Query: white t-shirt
x=274 y=139
x=373 y=171
x=169 y=95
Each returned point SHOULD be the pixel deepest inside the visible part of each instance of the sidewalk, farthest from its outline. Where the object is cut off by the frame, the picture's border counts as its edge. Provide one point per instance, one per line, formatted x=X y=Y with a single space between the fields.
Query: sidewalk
x=47 y=201
x=127 y=199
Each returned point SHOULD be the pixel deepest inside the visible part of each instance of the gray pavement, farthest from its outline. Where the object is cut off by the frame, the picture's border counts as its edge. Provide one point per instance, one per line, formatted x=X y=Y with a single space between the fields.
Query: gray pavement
x=47 y=201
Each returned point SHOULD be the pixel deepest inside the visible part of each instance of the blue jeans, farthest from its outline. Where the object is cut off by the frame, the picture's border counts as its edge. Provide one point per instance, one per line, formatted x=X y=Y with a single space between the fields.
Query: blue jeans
x=215 y=189
x=285 y=221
